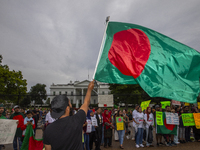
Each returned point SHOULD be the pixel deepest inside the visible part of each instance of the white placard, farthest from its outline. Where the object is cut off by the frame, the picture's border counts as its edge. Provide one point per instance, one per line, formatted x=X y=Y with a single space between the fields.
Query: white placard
x=94 y=121
x=7 y=131
x=89 y=126
x=105 y=100
x=172 y=118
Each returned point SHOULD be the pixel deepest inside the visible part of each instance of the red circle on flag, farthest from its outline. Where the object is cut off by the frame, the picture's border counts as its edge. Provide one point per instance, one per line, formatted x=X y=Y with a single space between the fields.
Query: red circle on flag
x=169 y=126
x=119 y=119
x=130 y=51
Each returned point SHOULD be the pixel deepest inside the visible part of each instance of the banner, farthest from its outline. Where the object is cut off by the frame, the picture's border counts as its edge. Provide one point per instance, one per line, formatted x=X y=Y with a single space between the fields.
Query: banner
x=119 y=123
x=159 y=118
x=145 y=104
x=176 y=103
x=197 y=120
x=188 y=119
x=165 y=103
x=105 y=101
x=94 y=121
x=198 y=103
x=7 y=131
x=187 y=104
x=89 y=126
x=172 y=118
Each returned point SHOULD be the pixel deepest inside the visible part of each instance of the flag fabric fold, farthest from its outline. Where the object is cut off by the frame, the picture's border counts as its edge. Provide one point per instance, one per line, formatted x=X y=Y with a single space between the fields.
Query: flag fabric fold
x=29 y=142
x=163 y=67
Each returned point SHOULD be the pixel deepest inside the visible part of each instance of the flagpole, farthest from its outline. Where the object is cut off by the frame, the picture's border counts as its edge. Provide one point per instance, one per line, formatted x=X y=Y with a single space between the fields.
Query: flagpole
x=101 y=48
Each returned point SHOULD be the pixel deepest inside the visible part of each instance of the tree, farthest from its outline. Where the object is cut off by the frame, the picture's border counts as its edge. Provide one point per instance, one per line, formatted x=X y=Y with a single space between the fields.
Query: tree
x=26 y=101
x=12 y=85
x=38 y=93
x=127 y=94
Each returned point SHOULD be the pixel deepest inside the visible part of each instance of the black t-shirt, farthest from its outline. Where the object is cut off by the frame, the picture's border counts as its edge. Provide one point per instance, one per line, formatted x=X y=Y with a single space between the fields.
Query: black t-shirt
x=66 y=133
x=36 y=120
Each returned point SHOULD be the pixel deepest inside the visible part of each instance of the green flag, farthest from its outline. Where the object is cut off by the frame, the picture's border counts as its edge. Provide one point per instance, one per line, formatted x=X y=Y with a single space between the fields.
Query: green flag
x=163 y=67
x=166 y=128
x=29 y=142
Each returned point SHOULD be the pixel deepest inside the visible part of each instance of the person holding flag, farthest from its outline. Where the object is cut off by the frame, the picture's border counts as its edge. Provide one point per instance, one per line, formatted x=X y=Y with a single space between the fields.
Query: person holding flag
x=71 y=126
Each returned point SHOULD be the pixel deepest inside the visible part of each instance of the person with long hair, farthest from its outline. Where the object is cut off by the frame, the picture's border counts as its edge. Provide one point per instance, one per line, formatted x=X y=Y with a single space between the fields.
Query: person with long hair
x=139 y=120
x=121 y=132
x=108 y=126
x=149 y=119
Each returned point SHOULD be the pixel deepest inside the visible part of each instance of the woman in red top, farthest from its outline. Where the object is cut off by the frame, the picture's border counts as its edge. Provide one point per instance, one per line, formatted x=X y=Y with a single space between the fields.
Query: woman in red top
x=108 y=126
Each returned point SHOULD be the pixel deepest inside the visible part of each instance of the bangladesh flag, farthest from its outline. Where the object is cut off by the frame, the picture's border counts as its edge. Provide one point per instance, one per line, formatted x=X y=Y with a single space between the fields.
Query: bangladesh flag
x=166 y=128
x=29 y=142
x=163 y=67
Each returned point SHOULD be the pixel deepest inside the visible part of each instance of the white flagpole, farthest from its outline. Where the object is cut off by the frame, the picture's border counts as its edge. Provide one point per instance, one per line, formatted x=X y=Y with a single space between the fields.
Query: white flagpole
x=101 y=48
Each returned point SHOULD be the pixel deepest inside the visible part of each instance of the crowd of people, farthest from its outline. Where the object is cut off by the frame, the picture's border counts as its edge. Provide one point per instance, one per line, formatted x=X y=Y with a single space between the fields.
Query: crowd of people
x=138 y=125
x=25 y=117
x=100 y=126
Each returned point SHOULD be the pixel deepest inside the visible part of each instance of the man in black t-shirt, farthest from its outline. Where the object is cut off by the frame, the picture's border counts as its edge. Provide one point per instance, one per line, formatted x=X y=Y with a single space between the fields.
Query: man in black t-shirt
x=66 y=132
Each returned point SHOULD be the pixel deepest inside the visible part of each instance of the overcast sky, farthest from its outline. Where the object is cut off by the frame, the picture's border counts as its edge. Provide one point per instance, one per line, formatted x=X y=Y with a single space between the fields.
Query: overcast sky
x=55 y=41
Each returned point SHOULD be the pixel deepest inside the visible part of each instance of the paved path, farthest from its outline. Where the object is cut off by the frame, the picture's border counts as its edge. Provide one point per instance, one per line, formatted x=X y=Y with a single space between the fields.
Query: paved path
x=130 y=145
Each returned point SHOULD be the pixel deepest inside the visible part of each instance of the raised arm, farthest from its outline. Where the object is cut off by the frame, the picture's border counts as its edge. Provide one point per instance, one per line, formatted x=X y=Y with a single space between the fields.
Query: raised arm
x=86 y=103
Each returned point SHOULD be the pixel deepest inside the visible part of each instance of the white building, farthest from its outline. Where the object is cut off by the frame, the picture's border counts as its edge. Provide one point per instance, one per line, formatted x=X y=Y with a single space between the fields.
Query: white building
x=76 y=91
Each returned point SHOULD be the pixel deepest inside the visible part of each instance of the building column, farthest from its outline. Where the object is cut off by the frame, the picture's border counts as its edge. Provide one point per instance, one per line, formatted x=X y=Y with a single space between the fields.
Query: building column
x=74 y=96
x=82 y=94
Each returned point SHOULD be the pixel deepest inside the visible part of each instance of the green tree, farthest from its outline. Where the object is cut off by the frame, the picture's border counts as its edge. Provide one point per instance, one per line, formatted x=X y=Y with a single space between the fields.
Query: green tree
x=26 y=101
x=38 y=93
x=12 y=85
x=127 y=94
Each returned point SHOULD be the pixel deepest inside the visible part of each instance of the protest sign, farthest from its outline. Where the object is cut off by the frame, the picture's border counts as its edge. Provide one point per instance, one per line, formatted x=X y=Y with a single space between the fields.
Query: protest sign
x=145 y=104
x=188 y=119
x=7 y=130
x=187 y=104
x=94 y=121
x=105 y=101
x=176 y=103
x=119 y=123
x=159 y=118
x=165 y=103
x=198 y=103
x=197 y=120
x=172 y=118
x=89 y=126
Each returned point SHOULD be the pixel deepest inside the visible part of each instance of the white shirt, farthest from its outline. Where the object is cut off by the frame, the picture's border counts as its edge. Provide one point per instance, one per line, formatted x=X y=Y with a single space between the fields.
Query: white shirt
x=134 y=114
x=139 y=117
x=150 y=121
x=49 y=118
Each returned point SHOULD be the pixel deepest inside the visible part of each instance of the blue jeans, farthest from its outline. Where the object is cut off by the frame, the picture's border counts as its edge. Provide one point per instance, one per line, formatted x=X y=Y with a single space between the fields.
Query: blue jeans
x=87 y=141
x=15 y=142
x=139 y=136
x=102 y=139
x=121 y=136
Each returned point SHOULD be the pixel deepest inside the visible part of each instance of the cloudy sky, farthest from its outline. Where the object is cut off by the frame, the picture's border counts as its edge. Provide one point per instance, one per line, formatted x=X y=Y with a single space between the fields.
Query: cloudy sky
x=55 y=41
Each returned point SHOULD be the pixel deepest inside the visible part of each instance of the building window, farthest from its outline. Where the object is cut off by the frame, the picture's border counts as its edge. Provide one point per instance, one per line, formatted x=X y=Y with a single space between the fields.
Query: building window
x=80 y=101
x=72 y=93
x=94 y=101
x=66 y=93
x=103 y=92
x=60 y=92
x=54 y=93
